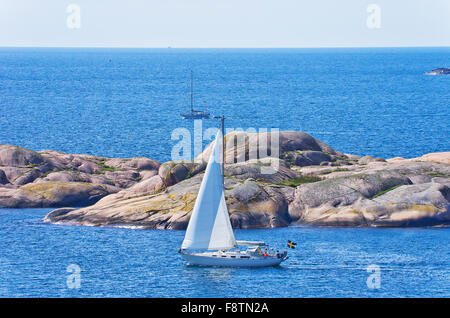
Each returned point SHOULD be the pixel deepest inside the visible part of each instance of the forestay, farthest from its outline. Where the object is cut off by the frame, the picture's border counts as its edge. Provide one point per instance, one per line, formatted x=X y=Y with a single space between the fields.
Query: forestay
x=210 y=226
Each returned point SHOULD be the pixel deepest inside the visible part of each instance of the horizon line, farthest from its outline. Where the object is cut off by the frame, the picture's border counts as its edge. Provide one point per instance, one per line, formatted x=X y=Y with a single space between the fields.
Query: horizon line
x=212 y=47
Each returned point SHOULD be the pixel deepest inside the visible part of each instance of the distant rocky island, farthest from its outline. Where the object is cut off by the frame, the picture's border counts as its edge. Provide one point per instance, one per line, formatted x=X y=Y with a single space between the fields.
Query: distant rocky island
x=439 y=71
x=314 y=185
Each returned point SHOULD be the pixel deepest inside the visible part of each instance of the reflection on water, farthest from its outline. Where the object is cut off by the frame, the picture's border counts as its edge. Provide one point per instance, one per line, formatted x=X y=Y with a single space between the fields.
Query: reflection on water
x=208 y=275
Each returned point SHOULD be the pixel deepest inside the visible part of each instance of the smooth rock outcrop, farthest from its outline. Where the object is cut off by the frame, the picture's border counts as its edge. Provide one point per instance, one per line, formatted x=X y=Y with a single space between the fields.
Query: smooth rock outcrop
x=309 y=184
x=52 y=178
x=440 y=157
x=19 y=157
x=54 y=194
x=243 y=146
x=250 y=204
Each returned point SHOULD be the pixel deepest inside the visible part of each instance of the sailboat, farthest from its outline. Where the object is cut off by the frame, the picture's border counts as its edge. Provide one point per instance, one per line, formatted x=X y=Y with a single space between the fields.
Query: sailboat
x=195 y=114
x=209 y=238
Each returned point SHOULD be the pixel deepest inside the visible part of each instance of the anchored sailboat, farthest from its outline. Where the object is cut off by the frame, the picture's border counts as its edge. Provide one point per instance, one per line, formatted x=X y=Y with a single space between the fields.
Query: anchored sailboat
x=209 y=239
x=195 y=114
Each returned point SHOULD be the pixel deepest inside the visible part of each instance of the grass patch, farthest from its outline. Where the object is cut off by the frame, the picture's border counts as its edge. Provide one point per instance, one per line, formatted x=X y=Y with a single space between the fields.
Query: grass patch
x=335 y=170
x=189 y=174
x=255 y=196
x=385 y=191
x=33 y=165
x=437 y=174
x=106 y=167
x=298 y=181
x=48 y=172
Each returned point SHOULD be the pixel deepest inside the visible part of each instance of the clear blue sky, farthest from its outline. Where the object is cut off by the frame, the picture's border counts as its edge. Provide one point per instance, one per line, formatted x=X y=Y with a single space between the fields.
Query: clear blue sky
x=225 y=23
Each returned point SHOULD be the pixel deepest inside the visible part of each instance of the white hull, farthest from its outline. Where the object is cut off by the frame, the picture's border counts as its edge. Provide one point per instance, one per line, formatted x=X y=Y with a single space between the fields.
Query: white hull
x=207 y=259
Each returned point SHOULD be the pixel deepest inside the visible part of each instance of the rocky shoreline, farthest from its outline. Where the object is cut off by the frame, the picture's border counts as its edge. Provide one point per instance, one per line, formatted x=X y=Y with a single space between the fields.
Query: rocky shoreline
x=30 y=179
x=314 y=185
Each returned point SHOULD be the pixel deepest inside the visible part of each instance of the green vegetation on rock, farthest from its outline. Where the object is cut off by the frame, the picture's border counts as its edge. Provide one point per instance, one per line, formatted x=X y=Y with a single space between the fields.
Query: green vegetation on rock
x=385 y=191
x=298 y=181
x=335 y=170
x=106 y=167
x=437 y=174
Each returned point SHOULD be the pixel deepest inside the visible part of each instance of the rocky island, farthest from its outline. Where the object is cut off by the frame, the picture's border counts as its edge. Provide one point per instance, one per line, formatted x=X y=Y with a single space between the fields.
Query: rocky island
x=439 y=71
x=313 y=185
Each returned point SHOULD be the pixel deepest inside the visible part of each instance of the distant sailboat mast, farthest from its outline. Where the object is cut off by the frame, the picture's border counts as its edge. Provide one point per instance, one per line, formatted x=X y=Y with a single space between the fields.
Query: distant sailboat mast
x=194 y=114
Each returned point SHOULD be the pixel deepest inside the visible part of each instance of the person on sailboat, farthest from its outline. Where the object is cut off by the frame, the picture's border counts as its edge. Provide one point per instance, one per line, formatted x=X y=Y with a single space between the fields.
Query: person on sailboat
x=258 y=249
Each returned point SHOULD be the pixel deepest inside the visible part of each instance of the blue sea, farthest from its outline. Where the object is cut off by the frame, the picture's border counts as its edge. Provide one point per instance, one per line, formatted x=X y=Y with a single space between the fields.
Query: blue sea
x=117 y=262
x=126 y=103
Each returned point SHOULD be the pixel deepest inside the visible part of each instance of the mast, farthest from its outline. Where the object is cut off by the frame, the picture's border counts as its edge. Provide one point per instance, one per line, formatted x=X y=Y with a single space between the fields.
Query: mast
x=222 y=119
x=192 y=93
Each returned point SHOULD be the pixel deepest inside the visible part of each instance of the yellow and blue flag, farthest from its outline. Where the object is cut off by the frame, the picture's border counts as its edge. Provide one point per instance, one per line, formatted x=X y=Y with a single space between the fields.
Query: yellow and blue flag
x=291 y=244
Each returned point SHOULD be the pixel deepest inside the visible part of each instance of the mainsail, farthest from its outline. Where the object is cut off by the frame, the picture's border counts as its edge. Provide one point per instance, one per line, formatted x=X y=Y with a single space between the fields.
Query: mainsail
x=210 y=226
